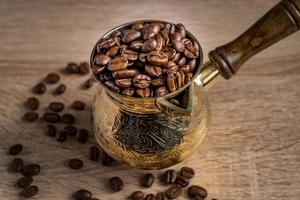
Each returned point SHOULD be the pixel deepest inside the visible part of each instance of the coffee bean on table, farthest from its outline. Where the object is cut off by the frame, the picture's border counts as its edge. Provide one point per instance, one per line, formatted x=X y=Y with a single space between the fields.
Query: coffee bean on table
x=83 y=135
x=72 y=68
x=40 y=88
x=52 y=78
x=16 y=165
x=78 y=105
x=169 y=176
x=187 y=172
x=89 y=83
x=137 y=195
x=30 y=191
x=70 y=130
x=15 y=149
x=160 y=196
x=33 y=103
x=183 y=182
x=52 y=117
x=75 y=163
x=31 y=169
x=106 y=159
x=196 y=190
x=148 y=180
x=173 y=191
x=60 y=89
x=82 y=195
x=31 y=116
x=94 y=153
x=84 y=68
x=24 y=181
x=62 y=136
x=149 y=197
x=116 y=184
x=56 y=106
x=68 y=118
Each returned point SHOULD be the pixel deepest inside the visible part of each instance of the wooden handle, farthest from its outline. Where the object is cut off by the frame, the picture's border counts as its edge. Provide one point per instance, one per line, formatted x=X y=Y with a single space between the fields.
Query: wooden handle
x=281 y=21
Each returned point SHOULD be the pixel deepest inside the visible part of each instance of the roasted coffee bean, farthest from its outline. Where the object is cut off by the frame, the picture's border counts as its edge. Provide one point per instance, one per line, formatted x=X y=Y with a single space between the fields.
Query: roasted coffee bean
x=130 y=35
x=149 y=197
x=176 y=58
x=98 y=69
x=84 y=67
x=160 y=196
x=51 y=117
x=130 y=55
x=31 y=116
x=15 y=149
x=152 y=70
x=160 y=42
x=123 y=83
x=16 y=165
x=111 y=85
x=186 y=68
x=143 y=57
x=188 y=77
x=178 y=46
x=137 y=26
x=173 y=192
x=105 y=43
x=191 y=51
x=24 y=181
x=192 y=63
x=89 y=83
x=111 y=53
x=83 y=135
x=136 y=45
x=72 y=68
x=70 y=130
x=137 y=195
x=118 y=64
x=141 y=81
x=183 y=182
x=60 y=89
x=176 y=36
x=106 y=159
x=161 y=91
x=157 y=82
x=181 y=62
x=172 y=30
x=78 y=105
x=94 y=153
x=165 y=36
x=187 y=172
x=148 y=180
x=30 y=191
x=149 y=45
x=196 y=190
x=181 y=29
x=150 y=30
x=75 y=163
x=157 y=58
x=31 y=170
x=126 y=73
x=82 y=195
x=52 y=78
x=171 y=82
x=56 y=106
x=62 y=136
x=51 y=130
x=128 y=91
x=116 y=184
x=102 y=59
x=40 y=88
x=146 y=92
x=169 y=176
x=180 y=76
x=33 y=103
x=68 y=118
x=172 y=67
x=115 y=33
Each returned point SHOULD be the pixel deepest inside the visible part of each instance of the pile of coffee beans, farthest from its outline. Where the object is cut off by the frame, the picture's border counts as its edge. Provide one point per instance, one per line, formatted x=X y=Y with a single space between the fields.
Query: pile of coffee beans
x=146 y=59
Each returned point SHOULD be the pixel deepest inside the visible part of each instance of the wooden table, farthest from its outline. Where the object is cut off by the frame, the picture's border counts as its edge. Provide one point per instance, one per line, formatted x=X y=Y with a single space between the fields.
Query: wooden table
x=252 y=150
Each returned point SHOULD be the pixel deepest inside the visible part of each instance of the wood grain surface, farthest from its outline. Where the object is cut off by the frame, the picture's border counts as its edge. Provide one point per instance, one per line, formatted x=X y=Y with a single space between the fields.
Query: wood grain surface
x=252 y=150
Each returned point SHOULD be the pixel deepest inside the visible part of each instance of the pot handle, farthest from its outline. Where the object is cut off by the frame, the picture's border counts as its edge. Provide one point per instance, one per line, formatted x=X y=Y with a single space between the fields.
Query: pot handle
x=281 y=21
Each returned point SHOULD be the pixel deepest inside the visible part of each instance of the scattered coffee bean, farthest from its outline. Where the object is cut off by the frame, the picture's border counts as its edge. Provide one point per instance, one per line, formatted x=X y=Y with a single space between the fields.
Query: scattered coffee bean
x=84 y=67
x=82 y=195
x=62 y=136
x=52 y=78
x=15 y=149
x=137 y=195
x=16 y=165
x=52 y=117
x=31 y=116
x=196 y=190
x=30 y=191
x=89 y=83
x=173 y=192
x=31 y=169
x=33 y=103
x=106 y=159
x=70 y=130
x=60 y=89
x=72 y=68
x=169 y=176
x=187 y=172
x=56 y=106
x=148 y=180
x=75 y=163
x=183 y=182
x=94 y=153
x=78 y=105
x=83 y=135
x=160 y=196
x=116 y=184
x=40 y=88
x=150 y=197
x=68 y=118
x=24 y=181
